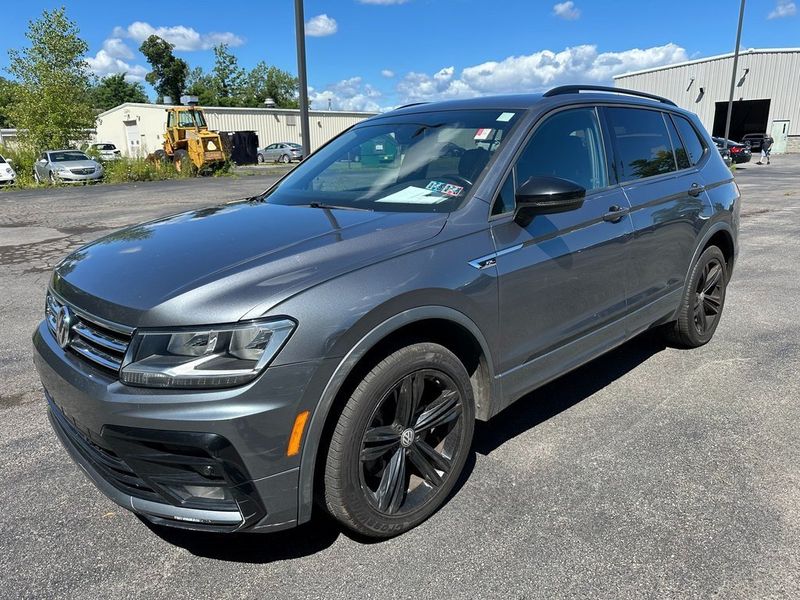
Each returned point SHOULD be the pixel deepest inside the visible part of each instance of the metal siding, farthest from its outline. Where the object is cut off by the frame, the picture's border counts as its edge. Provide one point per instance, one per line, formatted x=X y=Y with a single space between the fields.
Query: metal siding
x=269 y=124
x=773 y=75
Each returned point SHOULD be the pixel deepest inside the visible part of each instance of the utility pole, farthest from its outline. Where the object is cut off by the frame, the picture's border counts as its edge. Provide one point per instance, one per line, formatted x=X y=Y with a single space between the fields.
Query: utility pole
x=733 y=74
x=300 y=33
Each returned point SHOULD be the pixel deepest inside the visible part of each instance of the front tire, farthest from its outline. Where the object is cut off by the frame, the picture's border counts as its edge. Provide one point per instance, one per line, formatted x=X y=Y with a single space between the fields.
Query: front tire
x=703 y=299
x=285 y=159
x=401 y=442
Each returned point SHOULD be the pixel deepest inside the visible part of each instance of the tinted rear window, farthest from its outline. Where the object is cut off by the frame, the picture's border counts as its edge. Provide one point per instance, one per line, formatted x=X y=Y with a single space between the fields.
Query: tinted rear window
x=681 y=156
x=643 y=145
x=691 y=140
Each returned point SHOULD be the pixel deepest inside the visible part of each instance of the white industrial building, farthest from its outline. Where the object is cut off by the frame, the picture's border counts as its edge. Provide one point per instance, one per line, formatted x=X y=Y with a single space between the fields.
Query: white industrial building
x=138 y=129
x=766 y=93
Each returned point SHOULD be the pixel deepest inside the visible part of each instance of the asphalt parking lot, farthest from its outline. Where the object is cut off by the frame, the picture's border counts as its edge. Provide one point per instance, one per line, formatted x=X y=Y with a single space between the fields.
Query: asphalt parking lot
x=651 y=472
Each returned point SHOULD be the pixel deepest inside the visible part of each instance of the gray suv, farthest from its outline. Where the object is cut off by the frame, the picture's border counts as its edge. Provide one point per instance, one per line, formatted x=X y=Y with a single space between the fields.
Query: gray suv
x=334 y=339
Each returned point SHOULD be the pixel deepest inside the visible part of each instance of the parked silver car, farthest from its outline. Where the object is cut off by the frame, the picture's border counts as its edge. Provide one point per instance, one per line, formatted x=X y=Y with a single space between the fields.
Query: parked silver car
x=284 y=152
x=69 y=166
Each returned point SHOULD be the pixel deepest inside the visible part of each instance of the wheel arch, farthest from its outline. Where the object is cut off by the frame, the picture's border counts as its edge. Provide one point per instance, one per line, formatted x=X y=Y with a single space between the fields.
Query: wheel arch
x=440 y=324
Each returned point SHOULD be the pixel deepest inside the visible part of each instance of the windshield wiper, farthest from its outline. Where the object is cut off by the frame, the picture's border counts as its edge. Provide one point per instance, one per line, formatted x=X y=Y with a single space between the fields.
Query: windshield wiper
x=332 y=206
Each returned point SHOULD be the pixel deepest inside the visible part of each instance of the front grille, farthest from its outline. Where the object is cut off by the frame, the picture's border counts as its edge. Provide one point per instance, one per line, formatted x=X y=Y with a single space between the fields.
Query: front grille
x=83 y=171
x=95 y=340
x=112 y=468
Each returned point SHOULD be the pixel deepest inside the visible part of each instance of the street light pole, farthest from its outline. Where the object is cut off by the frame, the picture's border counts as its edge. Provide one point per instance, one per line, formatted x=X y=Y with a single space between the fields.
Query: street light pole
x=733 y=74
x=300 y=33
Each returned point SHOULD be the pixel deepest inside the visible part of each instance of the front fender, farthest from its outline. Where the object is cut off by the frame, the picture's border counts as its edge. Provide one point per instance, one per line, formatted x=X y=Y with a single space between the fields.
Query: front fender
x=346 y=365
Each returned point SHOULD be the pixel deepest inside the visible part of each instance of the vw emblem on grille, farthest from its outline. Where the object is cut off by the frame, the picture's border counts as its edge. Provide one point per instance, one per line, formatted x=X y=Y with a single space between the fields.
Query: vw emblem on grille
x=64 y=323
x=407 y=438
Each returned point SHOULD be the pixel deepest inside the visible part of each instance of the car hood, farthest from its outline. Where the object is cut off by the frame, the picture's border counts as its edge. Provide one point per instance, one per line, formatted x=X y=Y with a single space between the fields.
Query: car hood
x=76 y=164
x=214 y=265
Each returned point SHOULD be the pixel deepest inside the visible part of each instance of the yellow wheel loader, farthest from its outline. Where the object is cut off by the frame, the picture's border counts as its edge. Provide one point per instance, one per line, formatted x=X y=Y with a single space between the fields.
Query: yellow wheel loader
x=188 y=142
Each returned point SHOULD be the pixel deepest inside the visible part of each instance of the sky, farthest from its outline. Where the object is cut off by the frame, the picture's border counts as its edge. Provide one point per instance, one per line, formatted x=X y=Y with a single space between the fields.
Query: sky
x=376 y=54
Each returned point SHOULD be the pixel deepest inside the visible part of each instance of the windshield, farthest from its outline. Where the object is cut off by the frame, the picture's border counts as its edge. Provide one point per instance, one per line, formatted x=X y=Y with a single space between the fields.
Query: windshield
x=65 y=156
x=425 y=162
x=2 y=160
x=105 y=147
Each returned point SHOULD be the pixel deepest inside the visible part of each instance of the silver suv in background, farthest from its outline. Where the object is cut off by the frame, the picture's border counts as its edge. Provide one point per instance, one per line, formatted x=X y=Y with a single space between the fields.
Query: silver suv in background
x=334 y=339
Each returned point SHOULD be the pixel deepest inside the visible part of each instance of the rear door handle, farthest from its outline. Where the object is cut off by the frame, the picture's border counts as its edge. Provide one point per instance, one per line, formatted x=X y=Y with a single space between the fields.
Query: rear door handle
x=615 y=213
x=696 y=190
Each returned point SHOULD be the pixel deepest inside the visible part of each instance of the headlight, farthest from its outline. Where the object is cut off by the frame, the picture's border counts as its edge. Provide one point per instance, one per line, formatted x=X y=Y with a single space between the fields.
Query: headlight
x=9 y=171
x=210 y=357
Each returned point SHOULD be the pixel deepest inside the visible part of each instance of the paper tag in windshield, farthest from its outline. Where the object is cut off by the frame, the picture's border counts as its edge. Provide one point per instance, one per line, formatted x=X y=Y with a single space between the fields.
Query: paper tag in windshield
x=413 y=195
x=483 y=134
x=505 y=117
x=448 y=189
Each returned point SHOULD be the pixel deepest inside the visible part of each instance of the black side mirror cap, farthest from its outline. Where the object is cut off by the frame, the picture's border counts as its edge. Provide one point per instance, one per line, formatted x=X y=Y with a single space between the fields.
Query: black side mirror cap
x=547 y=195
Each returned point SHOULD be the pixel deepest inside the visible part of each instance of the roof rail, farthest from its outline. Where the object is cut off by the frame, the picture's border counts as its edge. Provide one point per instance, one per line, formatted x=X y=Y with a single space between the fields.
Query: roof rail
x=574 y=89
x=410 y=104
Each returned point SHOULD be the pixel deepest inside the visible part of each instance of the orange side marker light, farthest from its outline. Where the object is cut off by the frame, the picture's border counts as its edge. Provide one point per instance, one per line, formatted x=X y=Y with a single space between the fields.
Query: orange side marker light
x=297 y=433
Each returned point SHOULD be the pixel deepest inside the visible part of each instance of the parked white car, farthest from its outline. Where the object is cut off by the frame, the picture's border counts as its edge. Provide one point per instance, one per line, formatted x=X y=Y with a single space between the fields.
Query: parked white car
x=104 y=151
x=7 y=174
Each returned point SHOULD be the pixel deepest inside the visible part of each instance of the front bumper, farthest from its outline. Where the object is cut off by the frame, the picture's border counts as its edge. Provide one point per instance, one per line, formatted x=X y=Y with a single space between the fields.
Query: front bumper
x=136 y=443
x=76 y=178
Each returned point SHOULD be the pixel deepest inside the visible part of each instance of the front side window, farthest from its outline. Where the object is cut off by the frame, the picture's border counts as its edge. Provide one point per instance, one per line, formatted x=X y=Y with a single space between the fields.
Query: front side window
x=643 y=145
x=567 y=145
x=426 y=162
x=695 y=148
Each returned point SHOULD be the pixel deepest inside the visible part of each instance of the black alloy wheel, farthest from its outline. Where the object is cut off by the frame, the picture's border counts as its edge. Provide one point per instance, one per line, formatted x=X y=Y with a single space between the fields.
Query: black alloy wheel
x=708 y=296
x=401 y=441
x=407 y=450
x=702 y=302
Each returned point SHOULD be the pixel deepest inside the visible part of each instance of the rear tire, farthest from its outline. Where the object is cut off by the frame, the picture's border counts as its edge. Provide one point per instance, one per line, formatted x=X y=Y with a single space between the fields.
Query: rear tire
x=181 y=160
x=401 y=442
x=702 y=303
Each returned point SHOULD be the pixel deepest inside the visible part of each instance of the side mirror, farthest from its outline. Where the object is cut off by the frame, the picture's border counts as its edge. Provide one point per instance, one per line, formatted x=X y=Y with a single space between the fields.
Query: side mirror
x=547 y=195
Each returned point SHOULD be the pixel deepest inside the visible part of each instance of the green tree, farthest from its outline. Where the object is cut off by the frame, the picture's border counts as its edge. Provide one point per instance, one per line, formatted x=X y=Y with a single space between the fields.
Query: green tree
x=113 y=90
x=201 y=84
x=266 y=81
x=229 y=77
x=51 y=104
x=169 y=73
x=6 y=100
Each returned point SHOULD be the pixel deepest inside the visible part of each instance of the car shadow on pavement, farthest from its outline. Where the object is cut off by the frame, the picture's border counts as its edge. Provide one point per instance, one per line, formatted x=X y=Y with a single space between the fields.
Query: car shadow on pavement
x=564 y=392
x=307 y=539
x=535 y=408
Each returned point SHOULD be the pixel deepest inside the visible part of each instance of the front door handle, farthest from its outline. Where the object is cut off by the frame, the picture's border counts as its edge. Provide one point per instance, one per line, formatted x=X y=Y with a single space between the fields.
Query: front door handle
x=615 y=213
x=696 y=190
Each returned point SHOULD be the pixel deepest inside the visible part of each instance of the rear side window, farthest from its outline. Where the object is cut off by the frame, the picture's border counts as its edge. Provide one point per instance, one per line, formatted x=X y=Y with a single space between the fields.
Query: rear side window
x=566 y=145
x=643 y=145
x=681 y=156
x=695 y=148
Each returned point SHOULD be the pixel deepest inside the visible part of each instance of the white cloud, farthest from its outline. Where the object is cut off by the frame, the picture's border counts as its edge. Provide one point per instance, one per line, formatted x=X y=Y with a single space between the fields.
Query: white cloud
x=321 y=25
x=348 y=94
x=182 y=37
x=783 y=8
x=117 y=48
x=534 y=72
x=566 y=10
x=387 y=73
x=383 y=2
x=105 y=63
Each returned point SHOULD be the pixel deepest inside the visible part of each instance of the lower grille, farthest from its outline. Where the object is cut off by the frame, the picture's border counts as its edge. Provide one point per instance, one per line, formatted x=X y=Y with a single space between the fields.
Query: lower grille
x=100 y=343
x=112 y=468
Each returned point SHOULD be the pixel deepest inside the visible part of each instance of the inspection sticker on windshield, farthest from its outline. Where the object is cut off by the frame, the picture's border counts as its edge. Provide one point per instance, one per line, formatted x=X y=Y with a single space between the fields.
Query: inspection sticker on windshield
x=483 y=134
x=413 y=195
x=505 y=117
x=448 y=189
